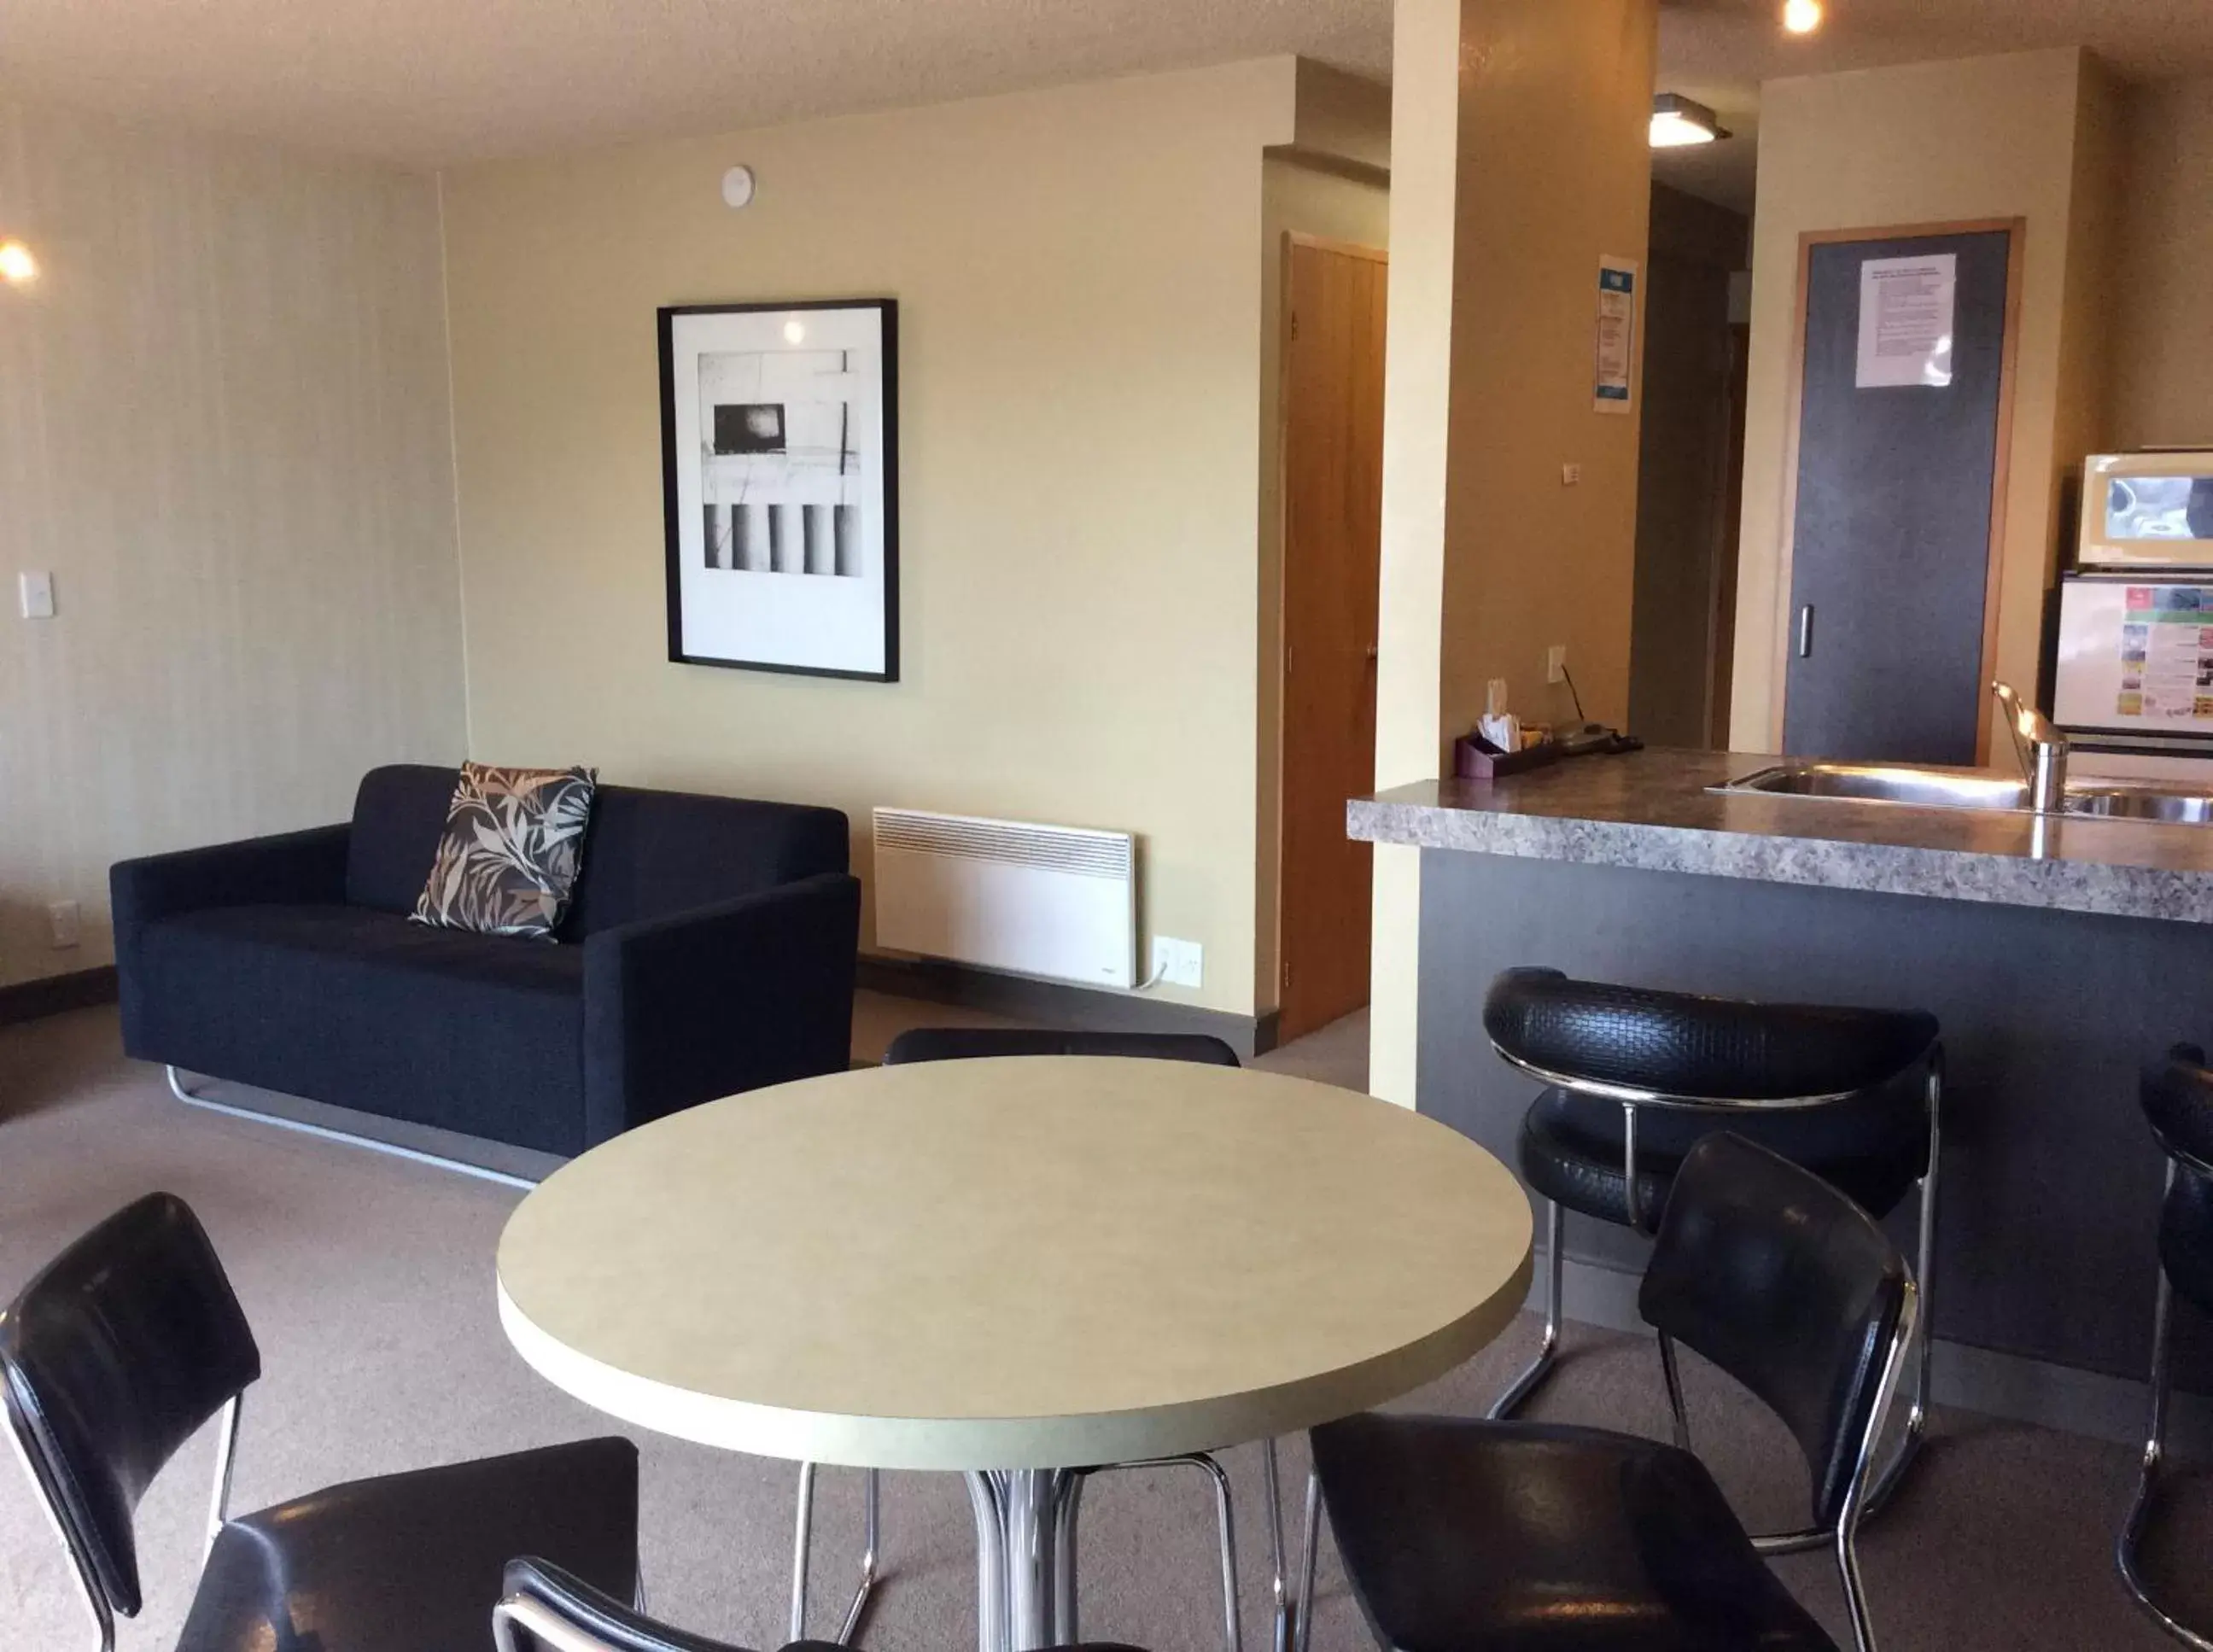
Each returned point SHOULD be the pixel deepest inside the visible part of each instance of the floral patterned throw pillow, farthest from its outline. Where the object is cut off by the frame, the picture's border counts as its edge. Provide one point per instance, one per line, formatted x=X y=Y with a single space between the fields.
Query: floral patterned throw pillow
x=514 y=845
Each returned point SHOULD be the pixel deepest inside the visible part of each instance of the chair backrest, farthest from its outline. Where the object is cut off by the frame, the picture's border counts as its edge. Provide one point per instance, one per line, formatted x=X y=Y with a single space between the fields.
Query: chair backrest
x=1791 y=1287
x=2178 y=1104
x=973 y=1043
x=121 y=1348
x=647 y=854
x=1686 y=1044
x=544 y=1609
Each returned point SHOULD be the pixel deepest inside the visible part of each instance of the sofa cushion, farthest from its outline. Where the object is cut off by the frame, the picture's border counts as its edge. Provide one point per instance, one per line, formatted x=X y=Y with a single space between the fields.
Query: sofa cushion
x=653 y=854
x=398 y=815
x=508 y=860
x=647 y=854
x=361 y=1008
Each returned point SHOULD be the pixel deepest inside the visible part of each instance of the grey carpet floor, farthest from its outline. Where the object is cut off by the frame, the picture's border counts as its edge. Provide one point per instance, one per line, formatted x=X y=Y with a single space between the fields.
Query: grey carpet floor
x=369 y=1281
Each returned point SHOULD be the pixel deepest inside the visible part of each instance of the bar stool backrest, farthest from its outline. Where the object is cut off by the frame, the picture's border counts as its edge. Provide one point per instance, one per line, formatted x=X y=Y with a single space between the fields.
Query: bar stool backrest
x=2178 y=1102
x=114 y=1355
x=1681 y=1046
x=976 y=1043
x=1791 y=1288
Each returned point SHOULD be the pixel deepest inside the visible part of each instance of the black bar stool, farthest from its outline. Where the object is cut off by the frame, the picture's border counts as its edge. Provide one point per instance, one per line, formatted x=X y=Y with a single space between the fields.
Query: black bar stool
x=2177 y=1101
x=1635 y=1076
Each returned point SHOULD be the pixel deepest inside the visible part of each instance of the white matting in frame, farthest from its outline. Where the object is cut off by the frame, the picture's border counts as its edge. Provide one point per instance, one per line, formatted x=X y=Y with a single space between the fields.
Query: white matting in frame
x=780 y=484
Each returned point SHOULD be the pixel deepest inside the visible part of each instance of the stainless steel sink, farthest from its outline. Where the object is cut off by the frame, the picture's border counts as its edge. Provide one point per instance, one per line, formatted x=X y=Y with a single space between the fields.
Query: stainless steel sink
x=1928 y=786
x=2126 y=802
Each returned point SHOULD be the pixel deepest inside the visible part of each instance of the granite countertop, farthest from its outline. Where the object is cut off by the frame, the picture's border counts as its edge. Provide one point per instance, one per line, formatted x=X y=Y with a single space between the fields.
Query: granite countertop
x=1652 y=809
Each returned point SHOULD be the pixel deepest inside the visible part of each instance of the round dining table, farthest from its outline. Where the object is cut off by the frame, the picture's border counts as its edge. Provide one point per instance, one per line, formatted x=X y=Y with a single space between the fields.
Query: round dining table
x=1014 y=1269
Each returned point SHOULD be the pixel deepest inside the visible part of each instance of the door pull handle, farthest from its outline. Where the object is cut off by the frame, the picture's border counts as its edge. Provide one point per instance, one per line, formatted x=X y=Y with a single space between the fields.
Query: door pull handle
x=1806 y=632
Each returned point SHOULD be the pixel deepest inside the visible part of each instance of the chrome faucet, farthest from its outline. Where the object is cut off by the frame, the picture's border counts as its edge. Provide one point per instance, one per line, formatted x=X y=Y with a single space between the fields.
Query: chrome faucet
x=2041 y=748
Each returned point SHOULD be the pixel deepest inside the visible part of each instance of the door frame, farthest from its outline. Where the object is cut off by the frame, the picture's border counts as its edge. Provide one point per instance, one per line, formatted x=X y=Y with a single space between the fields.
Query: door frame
x=1280 y=440
x=2016 y=231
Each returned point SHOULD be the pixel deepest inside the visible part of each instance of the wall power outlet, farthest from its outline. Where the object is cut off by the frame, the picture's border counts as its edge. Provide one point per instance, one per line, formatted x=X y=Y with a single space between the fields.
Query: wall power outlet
x=1179 y=963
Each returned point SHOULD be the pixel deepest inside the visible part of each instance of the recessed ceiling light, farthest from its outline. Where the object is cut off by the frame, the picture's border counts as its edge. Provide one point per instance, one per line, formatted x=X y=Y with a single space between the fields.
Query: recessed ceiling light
x=1801 y=16
x=1677 y=121
x=17 y=267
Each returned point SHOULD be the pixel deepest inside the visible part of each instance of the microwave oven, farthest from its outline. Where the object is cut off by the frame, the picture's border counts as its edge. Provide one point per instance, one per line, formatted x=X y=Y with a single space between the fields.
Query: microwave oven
x=2147 y=510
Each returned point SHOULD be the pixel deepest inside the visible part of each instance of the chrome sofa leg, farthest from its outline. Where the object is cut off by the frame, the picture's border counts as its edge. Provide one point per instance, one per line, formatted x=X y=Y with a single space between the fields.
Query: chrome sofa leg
x=1547 y=1351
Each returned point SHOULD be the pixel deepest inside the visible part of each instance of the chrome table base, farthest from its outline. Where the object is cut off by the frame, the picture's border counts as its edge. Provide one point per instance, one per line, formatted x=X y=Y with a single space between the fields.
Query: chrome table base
x=1026 y=1549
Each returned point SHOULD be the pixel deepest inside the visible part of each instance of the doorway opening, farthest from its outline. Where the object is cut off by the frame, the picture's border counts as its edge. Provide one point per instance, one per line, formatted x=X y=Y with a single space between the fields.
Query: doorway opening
x=1331 y=447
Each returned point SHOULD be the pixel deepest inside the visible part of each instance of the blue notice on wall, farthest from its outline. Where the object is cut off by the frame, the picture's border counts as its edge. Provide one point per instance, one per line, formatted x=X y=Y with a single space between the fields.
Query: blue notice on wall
x=1617 y=334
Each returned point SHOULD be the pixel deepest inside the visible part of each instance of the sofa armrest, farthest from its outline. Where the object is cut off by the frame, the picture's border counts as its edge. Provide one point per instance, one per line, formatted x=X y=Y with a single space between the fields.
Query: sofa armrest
x=752 y=992
x=292 y=868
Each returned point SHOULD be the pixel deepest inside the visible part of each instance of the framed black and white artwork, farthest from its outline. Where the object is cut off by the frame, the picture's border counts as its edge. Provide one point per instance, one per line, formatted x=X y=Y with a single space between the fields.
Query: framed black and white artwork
x=780 y=485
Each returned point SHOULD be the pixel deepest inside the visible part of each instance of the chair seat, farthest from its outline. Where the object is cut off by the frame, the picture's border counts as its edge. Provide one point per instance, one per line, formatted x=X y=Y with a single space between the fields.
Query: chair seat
x=1872 y=1147
x=1468 y=1536
x=414 y=1561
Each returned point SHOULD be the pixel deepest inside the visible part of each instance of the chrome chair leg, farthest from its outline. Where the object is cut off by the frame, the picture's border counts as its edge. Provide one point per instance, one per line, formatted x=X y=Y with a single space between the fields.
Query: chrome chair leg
x=1547 y=1351
x=1924 y=1262
x=1225 y=1518
x=2154 y=1454
x=1271 y=1479
x=1674 y=1380
x=802 y=1540
x=1303 y=1613
x=802 y=1544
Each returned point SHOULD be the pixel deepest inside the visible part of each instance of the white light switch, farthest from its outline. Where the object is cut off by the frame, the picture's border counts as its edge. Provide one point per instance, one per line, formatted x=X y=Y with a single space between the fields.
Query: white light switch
x=66 y=923
x=37 y=595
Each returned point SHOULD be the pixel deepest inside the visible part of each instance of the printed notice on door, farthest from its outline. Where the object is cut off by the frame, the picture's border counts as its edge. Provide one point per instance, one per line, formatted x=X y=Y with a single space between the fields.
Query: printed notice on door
x=1906 y=320
x=1617 y=333
x=2166 y=655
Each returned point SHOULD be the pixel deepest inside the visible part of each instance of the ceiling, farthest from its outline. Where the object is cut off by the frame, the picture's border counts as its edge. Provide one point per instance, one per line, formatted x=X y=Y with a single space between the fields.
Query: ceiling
x=434 y=82
x=1719 y=51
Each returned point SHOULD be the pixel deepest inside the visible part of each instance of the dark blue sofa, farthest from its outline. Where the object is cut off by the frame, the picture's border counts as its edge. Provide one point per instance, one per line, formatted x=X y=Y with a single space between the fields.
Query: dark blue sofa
x=711 y=949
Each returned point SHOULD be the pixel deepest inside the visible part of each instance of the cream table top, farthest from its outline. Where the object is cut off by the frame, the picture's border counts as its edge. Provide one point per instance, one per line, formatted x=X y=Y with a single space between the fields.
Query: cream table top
x=1035 y=1262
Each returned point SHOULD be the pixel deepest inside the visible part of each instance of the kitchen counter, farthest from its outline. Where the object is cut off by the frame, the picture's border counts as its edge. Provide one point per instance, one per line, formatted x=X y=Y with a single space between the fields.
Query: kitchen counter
x=2059 y=956
x=1653 y=810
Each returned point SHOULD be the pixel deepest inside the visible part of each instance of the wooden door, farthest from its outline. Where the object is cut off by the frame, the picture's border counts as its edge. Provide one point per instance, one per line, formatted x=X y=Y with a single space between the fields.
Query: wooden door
x=1897 y=513
x=1332 y=480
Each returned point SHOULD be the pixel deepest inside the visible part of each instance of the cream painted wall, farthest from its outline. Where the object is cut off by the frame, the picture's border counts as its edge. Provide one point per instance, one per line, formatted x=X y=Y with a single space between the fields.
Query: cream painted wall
x=1300 y=198
x=1518 y=158
x=1426 y=160
x=2163 y=389
x=224 y=429
x=1978 y=138
x=1081 y=346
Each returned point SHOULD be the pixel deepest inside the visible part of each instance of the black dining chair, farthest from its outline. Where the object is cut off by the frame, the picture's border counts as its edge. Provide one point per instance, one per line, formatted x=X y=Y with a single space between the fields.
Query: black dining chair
x=2178 y=1103
x=127 y=1342
x=1633 y=1076
x=544 y=1609
x=977 y=1043
x=1461 y=1532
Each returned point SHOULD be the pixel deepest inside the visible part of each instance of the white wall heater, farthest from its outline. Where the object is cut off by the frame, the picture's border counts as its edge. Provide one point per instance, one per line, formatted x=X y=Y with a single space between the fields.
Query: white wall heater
x=1056 y=901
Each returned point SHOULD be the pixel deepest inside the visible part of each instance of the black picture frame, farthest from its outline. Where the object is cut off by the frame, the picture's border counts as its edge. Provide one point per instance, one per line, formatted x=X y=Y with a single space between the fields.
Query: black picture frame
x=886 y=310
